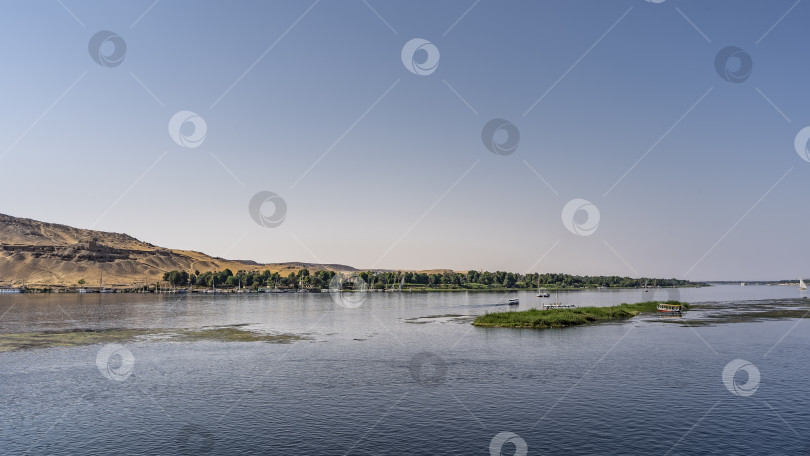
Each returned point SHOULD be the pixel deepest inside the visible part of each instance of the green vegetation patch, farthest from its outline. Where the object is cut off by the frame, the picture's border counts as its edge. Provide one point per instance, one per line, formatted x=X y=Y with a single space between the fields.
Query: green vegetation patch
x=436 y=318
x=232 y=334
x=743 y=313
x=559 y=318
x=66 y=338
x=79 y=337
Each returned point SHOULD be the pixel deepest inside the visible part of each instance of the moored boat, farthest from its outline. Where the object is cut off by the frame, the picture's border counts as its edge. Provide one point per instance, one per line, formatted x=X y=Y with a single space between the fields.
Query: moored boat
x=540 y=292
x=10 y=290
x=558 y=305
x=673 y=308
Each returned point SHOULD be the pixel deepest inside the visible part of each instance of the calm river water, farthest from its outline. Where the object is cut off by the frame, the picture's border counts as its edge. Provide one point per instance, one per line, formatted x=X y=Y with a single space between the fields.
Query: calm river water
x=371 y=380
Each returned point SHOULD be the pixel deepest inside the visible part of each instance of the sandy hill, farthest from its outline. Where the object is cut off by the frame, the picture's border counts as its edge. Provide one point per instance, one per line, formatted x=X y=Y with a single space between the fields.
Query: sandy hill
x=46 y=254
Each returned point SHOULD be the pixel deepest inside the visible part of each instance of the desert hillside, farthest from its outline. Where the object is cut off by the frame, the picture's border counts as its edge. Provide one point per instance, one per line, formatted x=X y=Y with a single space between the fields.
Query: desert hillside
x=47 y=254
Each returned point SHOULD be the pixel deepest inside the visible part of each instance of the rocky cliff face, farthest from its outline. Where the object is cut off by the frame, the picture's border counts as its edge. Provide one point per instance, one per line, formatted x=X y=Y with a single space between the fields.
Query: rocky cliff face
x=21 y=231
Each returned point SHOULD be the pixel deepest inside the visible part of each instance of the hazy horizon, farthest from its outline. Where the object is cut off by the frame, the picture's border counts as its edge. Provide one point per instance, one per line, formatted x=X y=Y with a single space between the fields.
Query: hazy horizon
x=437 y=268
x=638 y=153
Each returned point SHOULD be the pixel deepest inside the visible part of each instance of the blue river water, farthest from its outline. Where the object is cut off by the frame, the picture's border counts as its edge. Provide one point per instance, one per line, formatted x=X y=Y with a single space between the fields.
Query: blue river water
x=382 y=379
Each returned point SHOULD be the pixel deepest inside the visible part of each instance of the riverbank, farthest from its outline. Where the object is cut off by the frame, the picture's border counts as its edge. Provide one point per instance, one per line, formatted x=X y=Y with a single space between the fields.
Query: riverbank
x=560 y=318
x=121 y=289
x=546 y=289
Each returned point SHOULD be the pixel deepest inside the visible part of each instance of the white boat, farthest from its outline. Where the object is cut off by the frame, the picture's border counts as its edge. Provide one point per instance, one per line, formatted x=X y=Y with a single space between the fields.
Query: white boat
x=514 y=301
x=540 y=292
x=673 y=308
x=742 y=284
x=558 y=305
x=645 y=287
x=802 y=285
x=10 y=290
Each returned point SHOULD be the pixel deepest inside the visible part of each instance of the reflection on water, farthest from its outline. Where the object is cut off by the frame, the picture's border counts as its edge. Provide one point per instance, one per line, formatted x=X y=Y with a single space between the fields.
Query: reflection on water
x=630 y=387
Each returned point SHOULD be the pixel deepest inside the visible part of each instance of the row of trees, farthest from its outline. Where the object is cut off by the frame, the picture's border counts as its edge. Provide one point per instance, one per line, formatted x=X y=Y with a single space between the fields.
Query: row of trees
x=394 y=279
x=503 y=279
x=250 y=279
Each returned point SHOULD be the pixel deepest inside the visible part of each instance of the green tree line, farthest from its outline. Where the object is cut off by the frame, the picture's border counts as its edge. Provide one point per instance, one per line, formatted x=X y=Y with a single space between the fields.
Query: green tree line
x=251 y=280
x=380 y=280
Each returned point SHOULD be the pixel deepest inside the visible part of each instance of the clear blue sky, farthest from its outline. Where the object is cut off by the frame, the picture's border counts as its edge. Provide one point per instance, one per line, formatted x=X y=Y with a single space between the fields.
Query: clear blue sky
x=403 y=179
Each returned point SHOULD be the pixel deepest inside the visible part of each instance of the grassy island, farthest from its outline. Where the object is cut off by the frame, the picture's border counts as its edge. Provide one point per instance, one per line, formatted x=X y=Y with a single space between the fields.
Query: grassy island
x=559 y=318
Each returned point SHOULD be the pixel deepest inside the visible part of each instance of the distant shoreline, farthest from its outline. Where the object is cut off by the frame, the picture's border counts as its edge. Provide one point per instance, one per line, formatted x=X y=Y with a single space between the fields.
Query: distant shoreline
x=127 y=290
